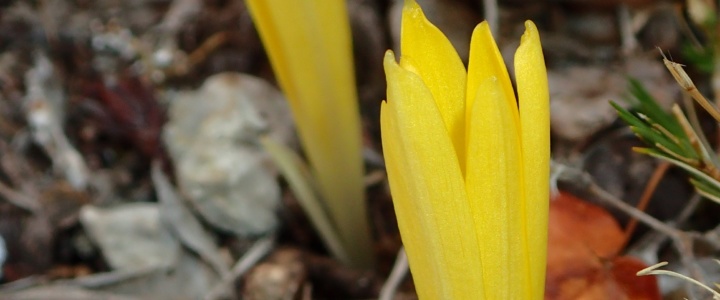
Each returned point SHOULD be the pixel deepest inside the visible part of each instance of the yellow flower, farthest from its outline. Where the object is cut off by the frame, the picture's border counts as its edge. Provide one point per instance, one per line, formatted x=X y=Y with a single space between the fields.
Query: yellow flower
x=468 y=171
x=309 y=46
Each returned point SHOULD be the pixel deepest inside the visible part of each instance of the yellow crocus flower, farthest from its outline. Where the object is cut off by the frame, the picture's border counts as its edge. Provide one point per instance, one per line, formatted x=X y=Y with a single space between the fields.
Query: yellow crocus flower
x=310 y=48
x=468 y=170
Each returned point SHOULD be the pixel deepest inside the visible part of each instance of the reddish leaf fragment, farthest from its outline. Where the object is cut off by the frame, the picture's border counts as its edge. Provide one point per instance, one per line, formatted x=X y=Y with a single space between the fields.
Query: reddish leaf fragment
x=635 y=287
x=583 y=243
x=133 y=111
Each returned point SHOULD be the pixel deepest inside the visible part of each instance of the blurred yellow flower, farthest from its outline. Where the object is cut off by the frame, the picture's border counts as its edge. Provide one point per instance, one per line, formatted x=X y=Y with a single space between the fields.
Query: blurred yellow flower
x=309 y=46
x=468 y=170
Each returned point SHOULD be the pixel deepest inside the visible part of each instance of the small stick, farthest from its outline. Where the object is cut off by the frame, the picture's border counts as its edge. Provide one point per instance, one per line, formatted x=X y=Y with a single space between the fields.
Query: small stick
x=582 y=182
x=208 y=46
x=627 y=34
x=650 y=188
x=20 y=200
x=259 y=250
x=653 y=270
x=697 y=142
x=399 y=271
x=490 y=7
x=692 y=117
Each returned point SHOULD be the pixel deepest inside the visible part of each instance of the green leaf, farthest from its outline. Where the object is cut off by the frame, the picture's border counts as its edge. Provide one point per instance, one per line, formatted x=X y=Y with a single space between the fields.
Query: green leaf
x=706 y=190
x=651 y=135
x=627 y=116
x=691 y=169
x=649 y=107
x=302 y=184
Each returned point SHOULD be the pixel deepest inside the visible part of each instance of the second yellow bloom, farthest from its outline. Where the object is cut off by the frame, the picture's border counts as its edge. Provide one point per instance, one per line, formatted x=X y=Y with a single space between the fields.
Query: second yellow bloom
x=468 y=170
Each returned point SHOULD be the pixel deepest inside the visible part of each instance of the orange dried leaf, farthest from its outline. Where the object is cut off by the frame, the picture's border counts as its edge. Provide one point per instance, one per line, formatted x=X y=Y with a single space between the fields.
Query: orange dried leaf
x=583 y=242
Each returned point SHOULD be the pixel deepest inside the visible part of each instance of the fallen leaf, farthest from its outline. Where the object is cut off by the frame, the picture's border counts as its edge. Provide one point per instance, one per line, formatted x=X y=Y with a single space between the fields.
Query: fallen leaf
x=583 y=243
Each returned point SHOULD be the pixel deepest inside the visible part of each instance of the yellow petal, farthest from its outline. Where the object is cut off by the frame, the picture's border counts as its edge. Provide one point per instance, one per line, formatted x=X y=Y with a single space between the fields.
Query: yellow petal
x=495 y=191
x=534 y=98
x=485 y=62
x=428 y=191
x=309 y=45
x=427 y=52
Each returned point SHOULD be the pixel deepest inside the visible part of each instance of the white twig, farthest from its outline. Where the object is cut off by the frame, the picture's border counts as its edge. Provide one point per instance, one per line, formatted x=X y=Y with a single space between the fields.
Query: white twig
x=179 y=13
x=259 y=250
x=490 y=8
x=653 y=270
x=44 y=104
x=398 y=273
x=627 y=32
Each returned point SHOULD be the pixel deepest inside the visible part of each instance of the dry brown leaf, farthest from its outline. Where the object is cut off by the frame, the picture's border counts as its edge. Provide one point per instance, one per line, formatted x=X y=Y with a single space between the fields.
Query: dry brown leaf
x=583 y=243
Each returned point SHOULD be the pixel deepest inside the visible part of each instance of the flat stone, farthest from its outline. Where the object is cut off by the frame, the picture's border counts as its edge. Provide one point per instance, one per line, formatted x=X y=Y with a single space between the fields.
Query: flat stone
x=213 y=136
x=131 y=236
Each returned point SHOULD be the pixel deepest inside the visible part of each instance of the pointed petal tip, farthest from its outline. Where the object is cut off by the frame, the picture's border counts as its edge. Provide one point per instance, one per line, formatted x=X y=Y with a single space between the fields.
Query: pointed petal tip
x=413 y=13
x=390 y=64
x=389 y=55
x=483 y=25
x=389 y=61
x=529 y=42
x=411 y=5
x=530 y=25
x=411 y=9
x=531 y=32
x=481 y=28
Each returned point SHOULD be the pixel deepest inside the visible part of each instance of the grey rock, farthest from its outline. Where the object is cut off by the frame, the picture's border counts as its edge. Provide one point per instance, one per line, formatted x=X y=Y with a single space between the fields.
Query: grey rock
x=131 y=236
x=212 y=137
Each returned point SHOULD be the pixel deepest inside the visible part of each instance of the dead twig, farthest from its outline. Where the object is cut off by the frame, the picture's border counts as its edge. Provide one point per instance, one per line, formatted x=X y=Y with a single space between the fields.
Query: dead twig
x=398 y=273
x=208 y=46
x=627 y=32
x=645 y=198
x=179 y=13
x=200 y=54
x=582 y=182
x=259 y=250
x=44 y=112
x=18 y=199
x=490 y=8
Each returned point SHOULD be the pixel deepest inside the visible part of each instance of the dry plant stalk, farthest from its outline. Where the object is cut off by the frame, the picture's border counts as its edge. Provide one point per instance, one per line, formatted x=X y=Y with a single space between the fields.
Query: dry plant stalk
x=706 y=164
x=689 y=87
x=650 y=188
